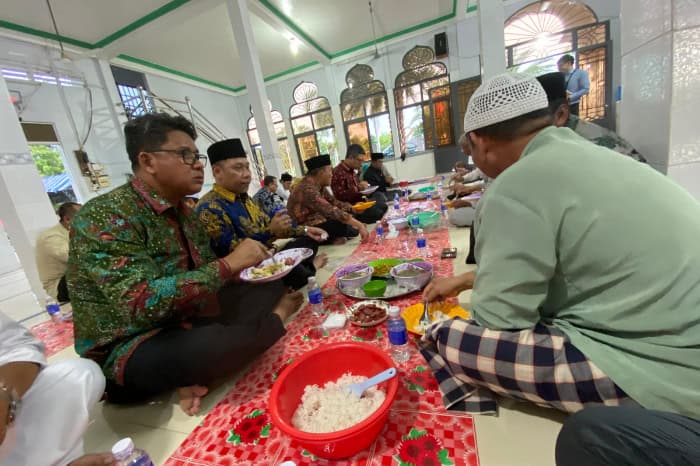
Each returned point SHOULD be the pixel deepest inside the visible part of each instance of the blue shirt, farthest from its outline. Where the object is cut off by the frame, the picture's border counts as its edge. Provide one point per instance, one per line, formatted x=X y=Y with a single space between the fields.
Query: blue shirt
x=578 y=84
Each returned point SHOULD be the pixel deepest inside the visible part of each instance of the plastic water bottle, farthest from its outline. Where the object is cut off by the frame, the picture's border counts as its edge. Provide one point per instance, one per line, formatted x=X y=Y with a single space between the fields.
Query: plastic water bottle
x=405 y=195
x=53 y=309
x=422 y=244
x=315 y=297
x=429 y=204
x=415 y=224
x=445 y=215
x=397 y=205
x=440 y=187
x=398 y=335
x=379 y=232
x=127 y=455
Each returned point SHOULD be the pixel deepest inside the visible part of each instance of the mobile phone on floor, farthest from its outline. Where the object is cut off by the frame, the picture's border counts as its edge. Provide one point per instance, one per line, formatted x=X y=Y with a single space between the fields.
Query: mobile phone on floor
x=449 y=253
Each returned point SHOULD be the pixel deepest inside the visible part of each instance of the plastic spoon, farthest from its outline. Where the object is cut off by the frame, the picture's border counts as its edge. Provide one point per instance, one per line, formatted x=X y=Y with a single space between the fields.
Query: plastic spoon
x=358 y=389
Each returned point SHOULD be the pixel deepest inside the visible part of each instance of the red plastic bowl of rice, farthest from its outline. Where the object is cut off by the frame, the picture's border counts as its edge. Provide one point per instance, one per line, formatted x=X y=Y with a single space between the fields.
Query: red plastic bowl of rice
x=307 y=394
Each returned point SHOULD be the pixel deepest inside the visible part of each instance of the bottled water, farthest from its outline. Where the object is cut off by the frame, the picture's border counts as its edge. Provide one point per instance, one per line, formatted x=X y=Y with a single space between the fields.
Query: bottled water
x=315 y=297
x=397 y=205
x=422 y=244
x=379 y=232
x=398 y=335
x=127 y=455
x=429 y=204
x=445 y=215
x=53 y=309
x=440 y=187
x=415 y=224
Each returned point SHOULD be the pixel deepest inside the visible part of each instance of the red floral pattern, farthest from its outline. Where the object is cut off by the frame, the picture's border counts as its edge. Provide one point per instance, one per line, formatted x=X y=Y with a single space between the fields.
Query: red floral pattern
x=56 y=336
x=251 y=428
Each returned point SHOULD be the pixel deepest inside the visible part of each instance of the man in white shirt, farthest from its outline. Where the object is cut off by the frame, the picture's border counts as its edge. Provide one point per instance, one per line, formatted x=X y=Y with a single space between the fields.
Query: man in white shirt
x=284 y=186
x=44 y=408
x=52 y=253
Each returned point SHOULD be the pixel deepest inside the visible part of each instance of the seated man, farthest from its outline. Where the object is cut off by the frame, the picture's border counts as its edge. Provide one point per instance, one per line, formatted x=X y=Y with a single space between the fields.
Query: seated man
x=346 y=185
x=229 y=215
x=44 y=408
x=554 y=85
x=310 y=203
x=573 y=305
x=635 y=436
x=377 y=175
x=151 y=302
x=267 y=198
x=285 y=185
x=52 y=253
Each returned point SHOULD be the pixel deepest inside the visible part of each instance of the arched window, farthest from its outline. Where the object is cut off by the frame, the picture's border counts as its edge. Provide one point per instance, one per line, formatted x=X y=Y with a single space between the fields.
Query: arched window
x=365 y=111
x=537 y=35
x=280 y=132
x=312 y=124
x=422 y=94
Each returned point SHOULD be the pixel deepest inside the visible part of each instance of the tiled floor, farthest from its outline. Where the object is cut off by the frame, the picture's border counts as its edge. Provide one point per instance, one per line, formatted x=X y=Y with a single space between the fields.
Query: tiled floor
x=521 y=435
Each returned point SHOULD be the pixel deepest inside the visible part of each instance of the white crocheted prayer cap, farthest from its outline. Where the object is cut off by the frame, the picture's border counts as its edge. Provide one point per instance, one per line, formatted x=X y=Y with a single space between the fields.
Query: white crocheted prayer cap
x=503 y=98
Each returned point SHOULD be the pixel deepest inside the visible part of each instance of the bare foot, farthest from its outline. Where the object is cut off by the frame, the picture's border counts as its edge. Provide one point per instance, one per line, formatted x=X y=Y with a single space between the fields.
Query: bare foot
x=95 y=459
x=289 y=304
x=339 y=241
x=320 y=260
x=191 y=398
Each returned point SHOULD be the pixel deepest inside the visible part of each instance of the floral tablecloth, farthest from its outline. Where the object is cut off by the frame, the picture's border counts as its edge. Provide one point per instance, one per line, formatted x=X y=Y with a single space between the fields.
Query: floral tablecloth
x=420 y=432
x=56 y=336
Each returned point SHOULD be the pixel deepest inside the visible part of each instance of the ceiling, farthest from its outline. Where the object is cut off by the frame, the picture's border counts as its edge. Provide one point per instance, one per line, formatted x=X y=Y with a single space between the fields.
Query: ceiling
x=194 y=39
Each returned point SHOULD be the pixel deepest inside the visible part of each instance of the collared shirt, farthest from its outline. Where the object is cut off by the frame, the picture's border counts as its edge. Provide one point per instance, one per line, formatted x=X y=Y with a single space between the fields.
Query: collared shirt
x=230 y=218
x=578 y=84
x=52 y=257
x=283 y=193
x=376 y=177
x=585 y=262
x=310 y=204
x=603 y=137
x=268 y=201
x=345 y=184
x=137 y=264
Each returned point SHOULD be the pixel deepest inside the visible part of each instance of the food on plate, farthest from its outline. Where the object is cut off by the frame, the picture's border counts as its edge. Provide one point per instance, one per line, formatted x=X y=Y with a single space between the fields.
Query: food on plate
x=333 y=407
x=368 y=313
x=411 y=272
x=435 y=317
x=357 y=274
x=382 y=269
x=271 y=269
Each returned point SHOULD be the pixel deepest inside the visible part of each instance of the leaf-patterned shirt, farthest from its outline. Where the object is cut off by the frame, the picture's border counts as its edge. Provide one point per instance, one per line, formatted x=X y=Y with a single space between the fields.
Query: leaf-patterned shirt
x=230 y=218
x=136 y=265
x=310 y=204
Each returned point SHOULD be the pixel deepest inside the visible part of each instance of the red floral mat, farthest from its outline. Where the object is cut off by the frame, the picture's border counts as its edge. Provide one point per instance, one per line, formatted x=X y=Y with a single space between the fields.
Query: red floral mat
x=56 y=336
x=420 y=432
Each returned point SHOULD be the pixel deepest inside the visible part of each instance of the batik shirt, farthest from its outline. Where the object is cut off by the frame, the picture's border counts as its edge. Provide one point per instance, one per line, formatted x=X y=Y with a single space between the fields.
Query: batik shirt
x=230 y=218
x=345 y=184
x=137 y=264
x=310 y=204
x=268 y=201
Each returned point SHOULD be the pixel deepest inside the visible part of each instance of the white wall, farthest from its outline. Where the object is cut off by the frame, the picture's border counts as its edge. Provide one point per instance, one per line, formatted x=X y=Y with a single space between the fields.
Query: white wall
x=661 y=79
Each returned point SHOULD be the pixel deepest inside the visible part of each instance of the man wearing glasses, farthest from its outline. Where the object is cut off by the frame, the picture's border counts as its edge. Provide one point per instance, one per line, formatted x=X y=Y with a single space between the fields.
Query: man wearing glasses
x=152 y=304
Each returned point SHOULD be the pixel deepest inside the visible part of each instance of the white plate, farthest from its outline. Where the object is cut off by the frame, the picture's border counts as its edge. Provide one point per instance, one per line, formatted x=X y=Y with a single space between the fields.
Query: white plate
x=369 y=190
x=298 y=254
x=375 y=302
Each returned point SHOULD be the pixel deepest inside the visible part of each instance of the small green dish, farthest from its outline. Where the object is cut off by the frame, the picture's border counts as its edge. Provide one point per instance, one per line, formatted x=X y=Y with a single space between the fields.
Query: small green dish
x=374 y=288
x=427 y=189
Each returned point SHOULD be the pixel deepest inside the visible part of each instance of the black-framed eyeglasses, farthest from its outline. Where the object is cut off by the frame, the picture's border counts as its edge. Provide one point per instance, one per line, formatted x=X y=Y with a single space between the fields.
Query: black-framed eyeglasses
x=188 y=157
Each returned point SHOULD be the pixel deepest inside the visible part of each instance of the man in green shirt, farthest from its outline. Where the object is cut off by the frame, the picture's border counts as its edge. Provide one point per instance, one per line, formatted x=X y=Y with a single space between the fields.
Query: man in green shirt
x=152 y=305
x=573 y=301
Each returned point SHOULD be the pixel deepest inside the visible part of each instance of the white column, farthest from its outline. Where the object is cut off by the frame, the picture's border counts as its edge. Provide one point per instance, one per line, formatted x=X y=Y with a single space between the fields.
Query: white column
x=493 y=49
x=250 y=63
x=25 y=208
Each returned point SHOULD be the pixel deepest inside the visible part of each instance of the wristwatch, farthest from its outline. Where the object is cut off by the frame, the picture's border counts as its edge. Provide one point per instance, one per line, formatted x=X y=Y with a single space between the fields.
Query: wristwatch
x=306 y=231
x=13 y=400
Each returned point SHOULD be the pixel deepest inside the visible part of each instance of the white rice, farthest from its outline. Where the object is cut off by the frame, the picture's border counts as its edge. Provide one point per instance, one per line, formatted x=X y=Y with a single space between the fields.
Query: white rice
x=334 y=408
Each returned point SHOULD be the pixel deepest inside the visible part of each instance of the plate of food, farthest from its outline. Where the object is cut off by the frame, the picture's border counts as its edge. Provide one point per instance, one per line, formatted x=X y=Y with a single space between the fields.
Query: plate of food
x=369 y=190
x=439 y=312
x=368 y=313
x=418 y=196
x=275 y=267
x=362 y=206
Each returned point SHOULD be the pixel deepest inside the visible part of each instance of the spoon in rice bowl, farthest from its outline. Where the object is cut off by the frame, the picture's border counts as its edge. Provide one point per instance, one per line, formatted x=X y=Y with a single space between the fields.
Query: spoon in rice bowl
x=358 y=389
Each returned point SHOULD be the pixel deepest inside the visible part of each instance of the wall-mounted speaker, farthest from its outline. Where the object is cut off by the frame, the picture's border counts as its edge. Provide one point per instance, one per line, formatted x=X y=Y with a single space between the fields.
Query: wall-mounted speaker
x=441 y=49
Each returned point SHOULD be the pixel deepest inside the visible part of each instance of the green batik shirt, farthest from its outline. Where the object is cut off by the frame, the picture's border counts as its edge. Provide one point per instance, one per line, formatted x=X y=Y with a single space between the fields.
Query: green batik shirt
x=137 y=264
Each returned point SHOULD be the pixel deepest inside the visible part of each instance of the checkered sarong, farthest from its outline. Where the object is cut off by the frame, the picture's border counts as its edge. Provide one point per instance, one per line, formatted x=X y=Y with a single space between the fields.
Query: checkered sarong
x=539 y=365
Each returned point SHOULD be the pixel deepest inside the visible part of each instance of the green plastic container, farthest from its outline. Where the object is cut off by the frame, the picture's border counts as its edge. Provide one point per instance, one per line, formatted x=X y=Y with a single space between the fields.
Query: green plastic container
x=374 y=288
x=425 y=219
x=427 y=189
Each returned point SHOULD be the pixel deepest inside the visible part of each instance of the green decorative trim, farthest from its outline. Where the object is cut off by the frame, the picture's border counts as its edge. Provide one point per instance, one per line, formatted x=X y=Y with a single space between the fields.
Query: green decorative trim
x=471 y=8
x=192 y=77
x=294 y=27
x=291 y=70
x=152 y=16
x=45 y=35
